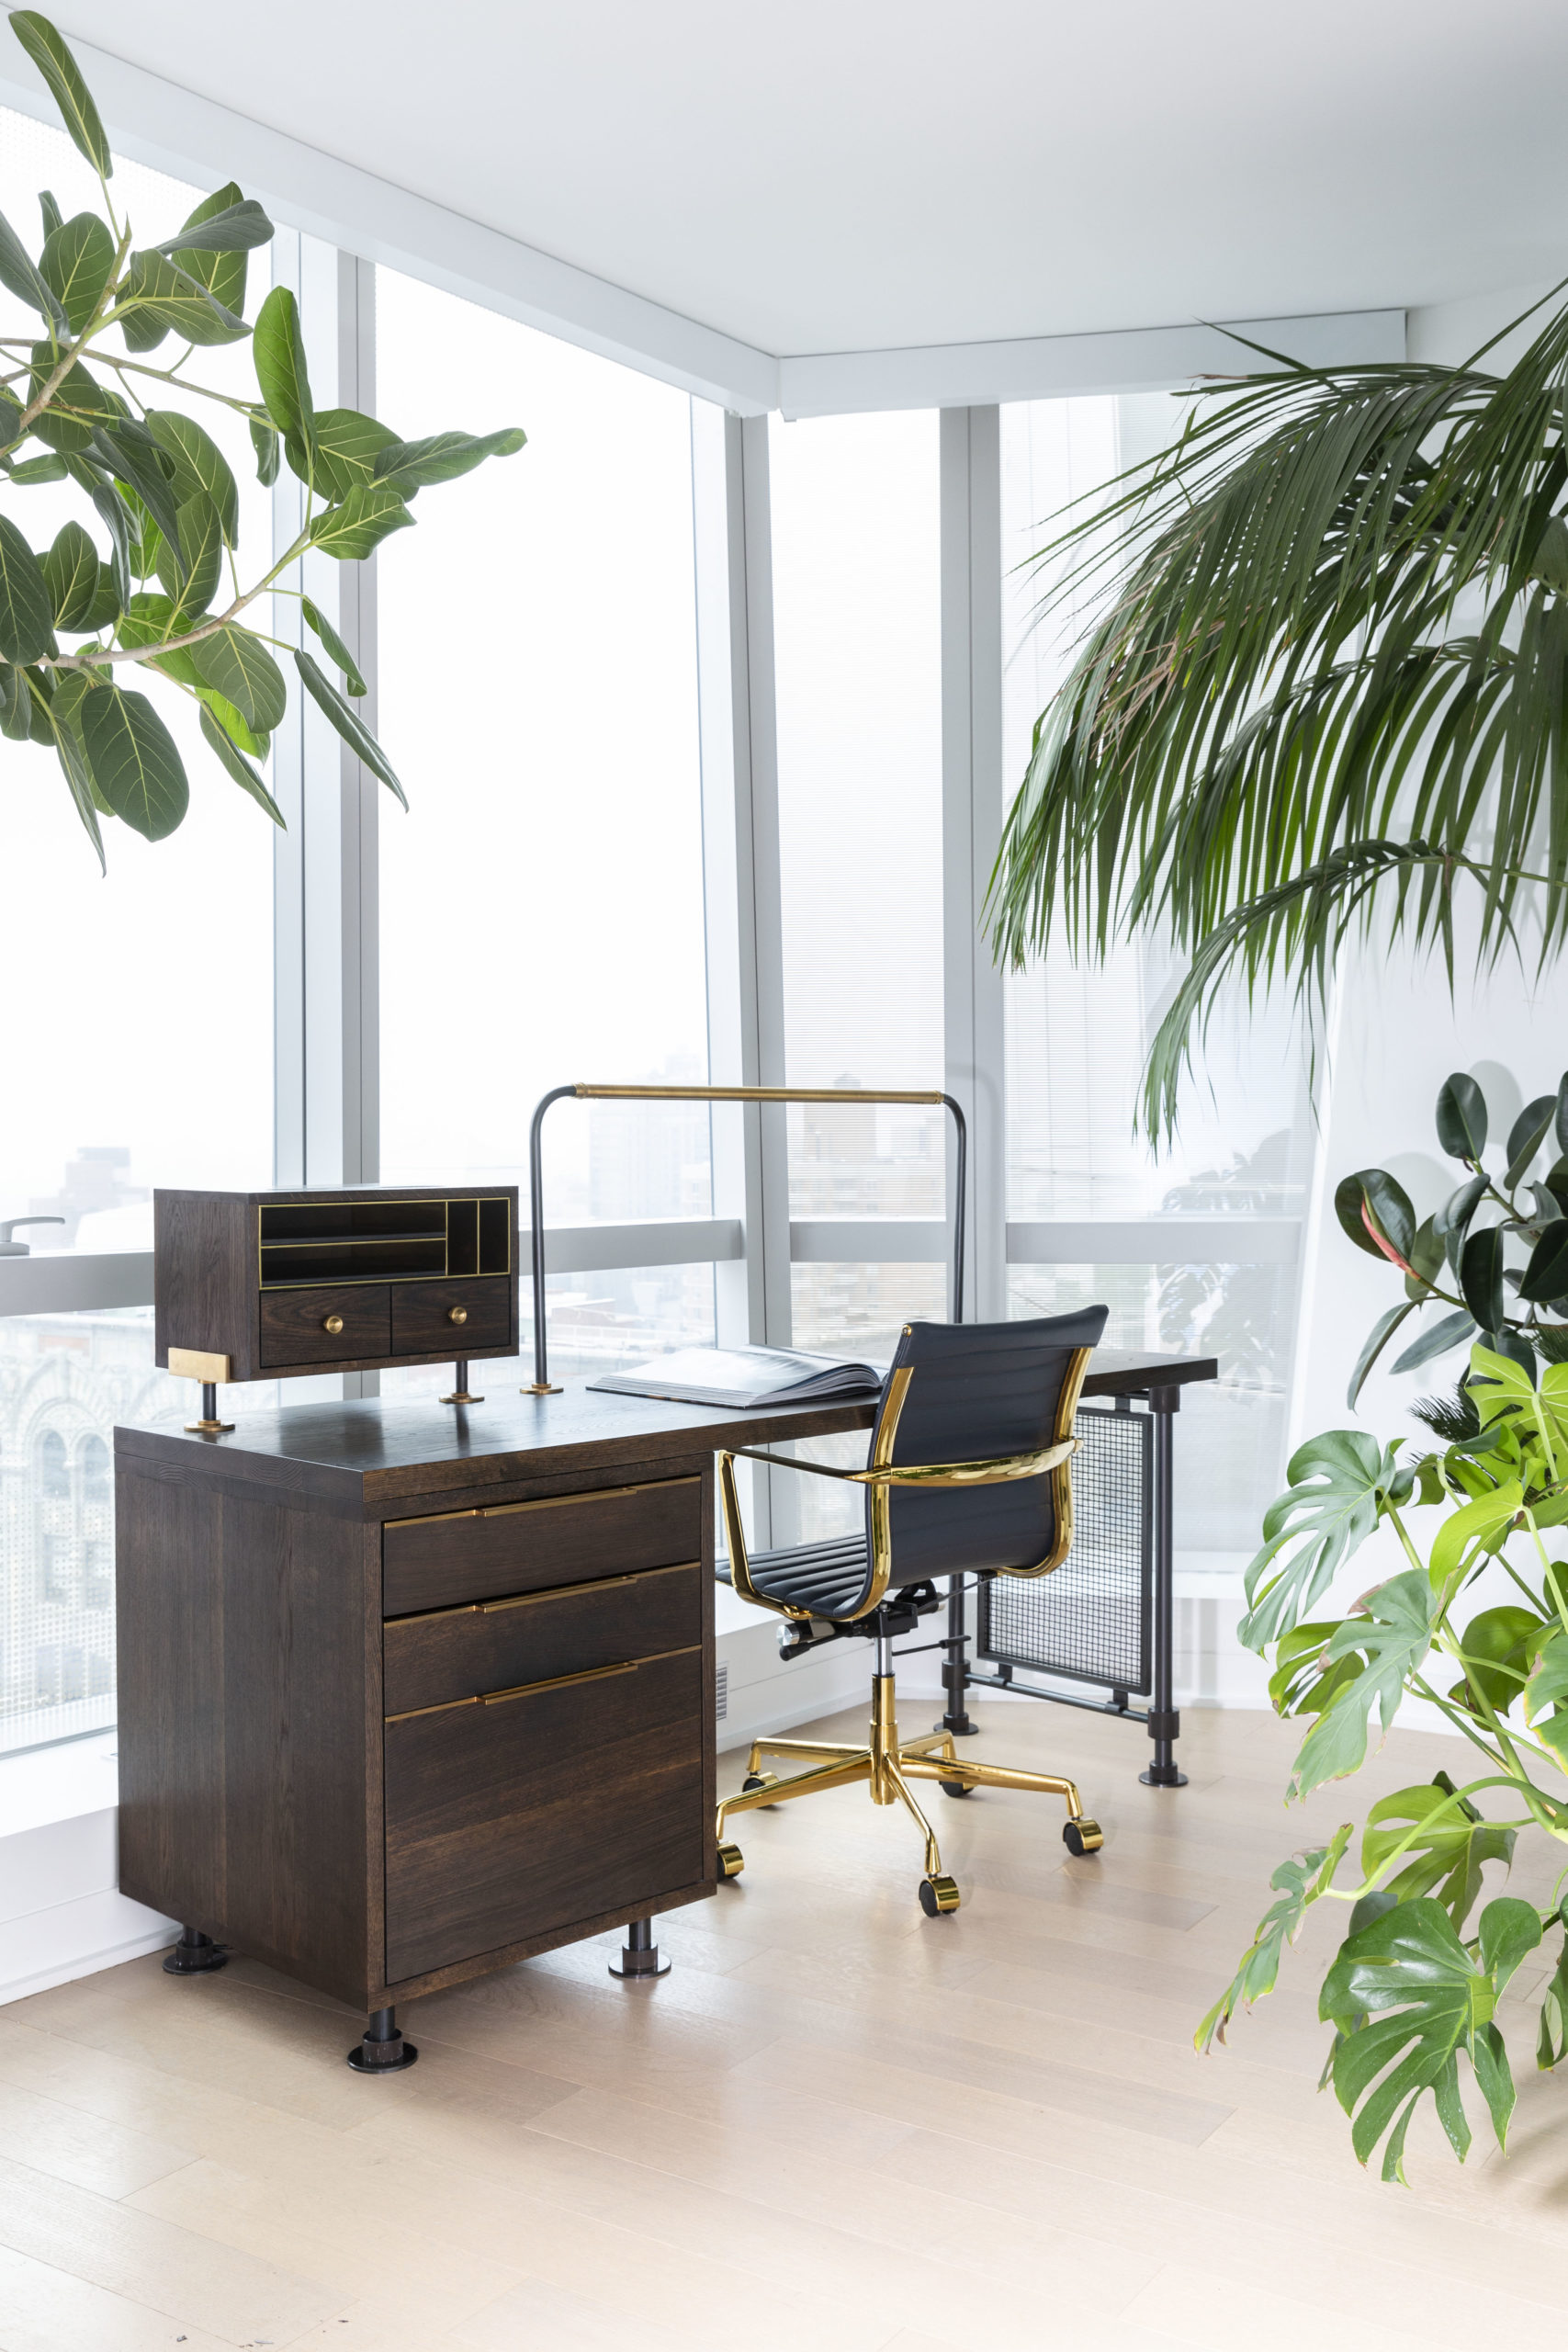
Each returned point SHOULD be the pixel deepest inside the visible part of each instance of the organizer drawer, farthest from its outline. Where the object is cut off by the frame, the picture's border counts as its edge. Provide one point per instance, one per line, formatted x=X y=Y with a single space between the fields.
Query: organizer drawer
x=325 y=1326
x=504 y=1549
x=491 y=1646
x=525 y=1815
x=457 y=1315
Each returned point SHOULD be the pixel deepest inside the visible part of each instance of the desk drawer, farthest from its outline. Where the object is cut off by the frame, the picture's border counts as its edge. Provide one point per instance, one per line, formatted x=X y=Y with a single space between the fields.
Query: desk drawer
x=511 y=1548
x=495 y=1644
x=294 y=1324
x=523 y=1816
x=424 y=1316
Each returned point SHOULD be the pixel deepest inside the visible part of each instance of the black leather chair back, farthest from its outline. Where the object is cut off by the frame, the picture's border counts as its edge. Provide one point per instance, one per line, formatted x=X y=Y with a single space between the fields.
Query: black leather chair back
x=978 y=1391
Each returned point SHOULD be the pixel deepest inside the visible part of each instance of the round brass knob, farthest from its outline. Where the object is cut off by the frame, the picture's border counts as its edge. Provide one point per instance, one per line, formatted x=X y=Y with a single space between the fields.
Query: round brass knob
x=333 y=1324
x=456 y=1315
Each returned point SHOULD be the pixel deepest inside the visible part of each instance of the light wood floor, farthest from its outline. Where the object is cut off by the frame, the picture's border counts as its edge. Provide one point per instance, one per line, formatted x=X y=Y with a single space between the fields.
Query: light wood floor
x=837 y=2126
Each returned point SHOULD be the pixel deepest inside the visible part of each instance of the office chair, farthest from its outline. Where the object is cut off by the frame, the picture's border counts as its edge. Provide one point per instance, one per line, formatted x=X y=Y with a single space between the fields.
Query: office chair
x=969 y=1473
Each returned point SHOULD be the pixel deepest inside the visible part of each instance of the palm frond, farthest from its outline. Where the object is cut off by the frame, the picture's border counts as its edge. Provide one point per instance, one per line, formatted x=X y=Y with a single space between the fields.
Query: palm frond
x=1280 y=716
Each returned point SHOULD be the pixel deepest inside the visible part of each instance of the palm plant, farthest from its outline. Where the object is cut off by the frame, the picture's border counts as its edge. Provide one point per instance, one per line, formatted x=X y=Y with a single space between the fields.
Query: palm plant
x=1327 y=685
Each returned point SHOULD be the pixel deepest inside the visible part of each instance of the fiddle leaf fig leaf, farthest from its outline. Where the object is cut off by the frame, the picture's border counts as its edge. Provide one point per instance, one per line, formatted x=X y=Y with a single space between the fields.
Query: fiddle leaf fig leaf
x=342 y=453
x=77 y=265
x=221 y=271
x=349 y=725
x=201 y=537
x=70 y=574
x=368 y=514
x=236 y=764
x=1462 y=1118
x=18 y=272
x=267 y=445
x=1340 y=1485
x=53 y=215
x=198 y=464
x=279 y=347
x=134 y=763
x=237 y=665
x=26 y=615
x=237 y=227
x=334 y=646
x=70 y=93
x=410 y=466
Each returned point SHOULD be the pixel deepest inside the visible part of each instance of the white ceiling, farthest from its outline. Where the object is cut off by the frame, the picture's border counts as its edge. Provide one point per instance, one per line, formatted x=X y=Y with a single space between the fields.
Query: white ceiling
x=849 y=174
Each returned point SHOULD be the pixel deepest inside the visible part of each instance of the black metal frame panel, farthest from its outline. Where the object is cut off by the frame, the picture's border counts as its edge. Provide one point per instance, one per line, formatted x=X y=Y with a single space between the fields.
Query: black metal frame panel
x=1092 y=1620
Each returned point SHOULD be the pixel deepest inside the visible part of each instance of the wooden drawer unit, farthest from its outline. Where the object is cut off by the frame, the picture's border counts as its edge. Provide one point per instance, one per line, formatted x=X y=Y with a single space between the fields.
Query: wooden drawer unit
x=320 y=1326
x=460 y=1316
x=456 y=1653
x=515 y=1817
x=506 y=1549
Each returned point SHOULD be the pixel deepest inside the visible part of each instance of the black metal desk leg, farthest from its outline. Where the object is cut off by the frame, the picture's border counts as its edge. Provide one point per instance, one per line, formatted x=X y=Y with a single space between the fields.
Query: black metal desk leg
x=955 y=1665
x=1165 y=1722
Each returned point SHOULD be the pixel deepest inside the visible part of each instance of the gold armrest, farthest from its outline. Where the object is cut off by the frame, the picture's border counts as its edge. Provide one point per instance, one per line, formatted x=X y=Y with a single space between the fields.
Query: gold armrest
x=993 y=1472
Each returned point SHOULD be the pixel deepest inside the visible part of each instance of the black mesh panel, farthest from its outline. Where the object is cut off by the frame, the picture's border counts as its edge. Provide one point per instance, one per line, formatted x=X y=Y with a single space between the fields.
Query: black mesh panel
x=1089 y=1619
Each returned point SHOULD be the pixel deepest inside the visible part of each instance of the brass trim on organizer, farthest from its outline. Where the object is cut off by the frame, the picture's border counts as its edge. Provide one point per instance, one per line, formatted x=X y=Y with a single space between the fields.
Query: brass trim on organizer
x=200 y=1364
x=554 y=1682
x=550 y=1592
x=548 y=1502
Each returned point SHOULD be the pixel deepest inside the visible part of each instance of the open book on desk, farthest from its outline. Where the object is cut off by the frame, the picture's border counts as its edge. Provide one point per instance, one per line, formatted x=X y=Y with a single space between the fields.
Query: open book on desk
x=743 y=1378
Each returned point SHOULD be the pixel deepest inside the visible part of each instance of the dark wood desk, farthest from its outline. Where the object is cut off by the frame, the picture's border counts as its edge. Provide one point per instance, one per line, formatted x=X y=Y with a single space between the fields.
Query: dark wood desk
x=408 y=1692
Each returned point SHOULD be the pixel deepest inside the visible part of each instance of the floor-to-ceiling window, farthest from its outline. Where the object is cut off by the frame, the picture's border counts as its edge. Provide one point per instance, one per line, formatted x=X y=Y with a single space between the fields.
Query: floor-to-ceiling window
x=541 y=906
x=856 y=559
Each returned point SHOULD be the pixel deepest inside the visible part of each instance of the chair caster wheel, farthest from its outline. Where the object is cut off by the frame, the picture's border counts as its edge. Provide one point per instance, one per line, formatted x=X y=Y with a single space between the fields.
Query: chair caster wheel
x=937 y=1896
x=1082 y=1836
x=755 y=1781
x=955 y=1788
x=731 y=1862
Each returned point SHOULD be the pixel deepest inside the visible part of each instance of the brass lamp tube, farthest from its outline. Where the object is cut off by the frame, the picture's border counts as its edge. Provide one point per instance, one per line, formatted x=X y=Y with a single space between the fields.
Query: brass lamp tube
x=541 y=1384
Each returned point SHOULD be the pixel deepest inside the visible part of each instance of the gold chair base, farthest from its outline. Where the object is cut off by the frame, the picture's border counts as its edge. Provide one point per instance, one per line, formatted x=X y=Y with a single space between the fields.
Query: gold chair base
x=888 y=1765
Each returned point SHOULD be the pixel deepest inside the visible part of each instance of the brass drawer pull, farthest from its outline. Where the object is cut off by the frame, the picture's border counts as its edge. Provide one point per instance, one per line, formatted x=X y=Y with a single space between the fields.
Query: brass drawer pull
x=332 y=1323
x=531 y=1599
x=563 y=1591
x=547 y=1502
x=456 y=1315
x=555 y=1682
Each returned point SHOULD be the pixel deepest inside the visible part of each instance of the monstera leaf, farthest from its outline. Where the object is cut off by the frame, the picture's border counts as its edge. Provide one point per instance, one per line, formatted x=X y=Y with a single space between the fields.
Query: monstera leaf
x=1445 y=1857
x=1388 y=1635
x=1339 y=1484
x=1407 y=1999
x=1299 y=1881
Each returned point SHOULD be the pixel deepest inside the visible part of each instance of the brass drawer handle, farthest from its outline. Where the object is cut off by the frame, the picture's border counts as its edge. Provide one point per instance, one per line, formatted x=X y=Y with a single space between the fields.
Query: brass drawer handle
x=456 y=1315
x=547 y=1502
x=583 y=1591
x=332 y=1323
x=555 y=1682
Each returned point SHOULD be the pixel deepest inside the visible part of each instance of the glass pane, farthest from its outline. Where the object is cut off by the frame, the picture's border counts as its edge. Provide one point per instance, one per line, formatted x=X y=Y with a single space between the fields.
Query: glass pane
x=857 y=617
x=1076 y=1042
x=541 y=903
x=119 y=991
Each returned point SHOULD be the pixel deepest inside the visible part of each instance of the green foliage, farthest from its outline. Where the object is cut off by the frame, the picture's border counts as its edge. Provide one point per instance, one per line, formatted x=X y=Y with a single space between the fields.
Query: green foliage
x=1415 y=1987
x=1323 y=688
x=147 y=583
x=1495 y=1277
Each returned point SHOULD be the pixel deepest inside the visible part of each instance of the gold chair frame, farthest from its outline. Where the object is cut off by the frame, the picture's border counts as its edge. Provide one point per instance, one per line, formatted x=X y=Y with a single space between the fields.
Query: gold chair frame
x=887 y=1763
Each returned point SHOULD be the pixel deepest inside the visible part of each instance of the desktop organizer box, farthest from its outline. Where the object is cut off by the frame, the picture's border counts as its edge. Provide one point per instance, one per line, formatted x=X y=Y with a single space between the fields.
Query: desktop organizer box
x=265 y=1285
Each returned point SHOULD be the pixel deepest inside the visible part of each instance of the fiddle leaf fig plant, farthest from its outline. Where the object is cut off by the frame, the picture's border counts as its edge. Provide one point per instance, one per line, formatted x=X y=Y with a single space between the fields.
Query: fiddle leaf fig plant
x=1415 y=1987
x=1458 y=1257
x=146 y=584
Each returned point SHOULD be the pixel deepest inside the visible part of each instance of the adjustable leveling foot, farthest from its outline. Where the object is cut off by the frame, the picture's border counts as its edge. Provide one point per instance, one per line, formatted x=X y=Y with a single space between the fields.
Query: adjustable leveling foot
x=640 y=1955
x=382 y=2050
x=195 y=1955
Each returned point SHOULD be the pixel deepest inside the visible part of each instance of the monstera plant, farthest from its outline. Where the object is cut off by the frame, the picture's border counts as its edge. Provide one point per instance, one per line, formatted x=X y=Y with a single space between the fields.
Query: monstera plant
x=1458 y=1256
x=1415 y=1987
x=148 y=584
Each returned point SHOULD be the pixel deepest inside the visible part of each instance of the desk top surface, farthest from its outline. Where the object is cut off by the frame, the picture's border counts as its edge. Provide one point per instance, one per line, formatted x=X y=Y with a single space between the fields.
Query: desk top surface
x=370 y=1451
